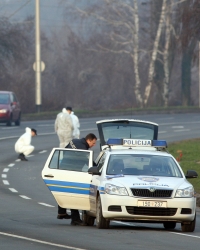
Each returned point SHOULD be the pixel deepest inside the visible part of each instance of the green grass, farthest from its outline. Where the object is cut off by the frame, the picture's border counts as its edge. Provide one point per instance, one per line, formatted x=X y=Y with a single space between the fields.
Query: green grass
x=190 y=159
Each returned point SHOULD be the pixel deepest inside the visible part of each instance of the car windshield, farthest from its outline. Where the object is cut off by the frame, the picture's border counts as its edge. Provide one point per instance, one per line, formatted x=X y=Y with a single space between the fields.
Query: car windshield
x=4 y=98
x=148 y=165
x=128 y=130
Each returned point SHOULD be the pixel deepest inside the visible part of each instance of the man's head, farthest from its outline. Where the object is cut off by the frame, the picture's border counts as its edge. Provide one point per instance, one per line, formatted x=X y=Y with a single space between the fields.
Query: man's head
x=69 y=109
x=33 y=132
x=91 y=139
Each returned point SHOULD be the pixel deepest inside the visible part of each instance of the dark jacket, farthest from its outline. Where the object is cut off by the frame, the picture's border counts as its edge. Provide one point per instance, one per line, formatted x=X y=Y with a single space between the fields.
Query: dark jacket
x=79 y=144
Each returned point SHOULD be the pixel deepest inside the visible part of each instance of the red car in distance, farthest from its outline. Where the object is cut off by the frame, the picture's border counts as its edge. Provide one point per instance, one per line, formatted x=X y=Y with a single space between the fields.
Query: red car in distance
x=10 y=110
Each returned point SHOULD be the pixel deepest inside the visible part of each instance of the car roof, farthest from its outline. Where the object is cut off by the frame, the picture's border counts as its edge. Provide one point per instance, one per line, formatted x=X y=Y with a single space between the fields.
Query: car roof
x=137 y=151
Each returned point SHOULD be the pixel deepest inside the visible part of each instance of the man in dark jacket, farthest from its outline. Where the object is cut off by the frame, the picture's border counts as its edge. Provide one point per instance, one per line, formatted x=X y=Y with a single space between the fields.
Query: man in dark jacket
x=85 y=143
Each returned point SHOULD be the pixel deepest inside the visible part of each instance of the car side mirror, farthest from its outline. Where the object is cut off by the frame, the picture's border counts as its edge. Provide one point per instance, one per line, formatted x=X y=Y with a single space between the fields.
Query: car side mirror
x=94 y=171
x=191 y=174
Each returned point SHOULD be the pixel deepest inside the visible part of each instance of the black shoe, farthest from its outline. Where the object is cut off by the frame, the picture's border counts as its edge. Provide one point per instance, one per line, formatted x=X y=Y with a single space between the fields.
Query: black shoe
x=63 y=216
x=22 y=157
x=78 y=223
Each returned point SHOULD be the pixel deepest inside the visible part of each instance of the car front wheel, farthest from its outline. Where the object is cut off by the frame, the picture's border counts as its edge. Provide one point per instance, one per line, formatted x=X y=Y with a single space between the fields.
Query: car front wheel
x=101 y=222
x=9 y=122
x=17 y=123
x=189 y=227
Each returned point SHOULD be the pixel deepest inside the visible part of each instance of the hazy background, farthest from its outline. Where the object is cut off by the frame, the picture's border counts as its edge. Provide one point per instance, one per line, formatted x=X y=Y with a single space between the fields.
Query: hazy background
x=95 y=56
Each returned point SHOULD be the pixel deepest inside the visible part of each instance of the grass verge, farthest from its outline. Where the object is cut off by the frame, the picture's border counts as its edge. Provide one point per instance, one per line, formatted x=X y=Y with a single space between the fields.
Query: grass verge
x=188 y=155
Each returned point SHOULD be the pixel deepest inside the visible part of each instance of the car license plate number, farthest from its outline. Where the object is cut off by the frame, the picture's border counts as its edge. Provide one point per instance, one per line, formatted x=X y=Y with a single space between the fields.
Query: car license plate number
x=152 y=204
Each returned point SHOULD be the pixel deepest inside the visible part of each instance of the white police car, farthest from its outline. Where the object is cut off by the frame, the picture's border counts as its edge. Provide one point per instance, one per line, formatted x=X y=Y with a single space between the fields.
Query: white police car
x=135 y=179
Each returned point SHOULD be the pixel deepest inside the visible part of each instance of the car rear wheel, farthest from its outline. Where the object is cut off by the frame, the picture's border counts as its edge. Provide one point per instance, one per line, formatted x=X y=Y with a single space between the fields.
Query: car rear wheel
x=87 y=219
x=169 y=225
x=189 y=227
x=101 y=222
x=9 y=122
x=17 y=122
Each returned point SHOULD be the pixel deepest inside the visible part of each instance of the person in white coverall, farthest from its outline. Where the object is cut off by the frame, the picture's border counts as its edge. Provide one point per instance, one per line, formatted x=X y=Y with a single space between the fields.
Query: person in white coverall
x=23 y=145
x=76 y=124
x=64 y=127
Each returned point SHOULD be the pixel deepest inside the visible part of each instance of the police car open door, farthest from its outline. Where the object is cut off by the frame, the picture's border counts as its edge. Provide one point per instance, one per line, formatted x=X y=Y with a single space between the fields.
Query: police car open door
x=65 y=174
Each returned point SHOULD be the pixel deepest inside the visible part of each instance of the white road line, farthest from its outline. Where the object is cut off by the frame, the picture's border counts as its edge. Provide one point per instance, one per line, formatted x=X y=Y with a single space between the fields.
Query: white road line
x=162 y=132
x=6 y=182
x=194 y=236
x=9 y=137
x=29 y=156
x=40 y=241
x=4 y=175
x=88 y=129
x=11 y=165
x=44 y=151
x=123 y=223
x=18 y=160
x=25 y=197
x=6 y=170
x=9 y=128
x=181 y=130
x=44 y=204
x=13 y=190
x=177 y=126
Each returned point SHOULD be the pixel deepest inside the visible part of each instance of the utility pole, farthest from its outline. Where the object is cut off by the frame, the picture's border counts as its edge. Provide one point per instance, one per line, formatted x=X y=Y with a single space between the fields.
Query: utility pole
x=38 y=95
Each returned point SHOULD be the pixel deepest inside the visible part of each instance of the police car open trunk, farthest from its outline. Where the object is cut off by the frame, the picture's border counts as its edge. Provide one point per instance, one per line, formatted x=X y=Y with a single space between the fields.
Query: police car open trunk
x=126 y=128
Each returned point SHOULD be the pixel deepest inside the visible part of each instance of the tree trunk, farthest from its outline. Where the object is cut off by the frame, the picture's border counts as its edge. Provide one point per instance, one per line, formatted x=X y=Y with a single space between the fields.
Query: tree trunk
x=154 y=54
x=135 y=57
x=186 y=73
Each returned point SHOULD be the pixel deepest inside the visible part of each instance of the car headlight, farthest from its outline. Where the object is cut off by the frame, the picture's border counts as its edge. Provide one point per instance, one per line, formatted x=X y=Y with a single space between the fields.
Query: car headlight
x=185 y=193
x=3 y=111
x=112 y=189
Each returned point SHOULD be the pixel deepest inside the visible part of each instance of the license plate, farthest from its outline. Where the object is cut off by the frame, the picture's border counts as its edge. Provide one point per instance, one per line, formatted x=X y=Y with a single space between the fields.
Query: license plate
x=152 y=204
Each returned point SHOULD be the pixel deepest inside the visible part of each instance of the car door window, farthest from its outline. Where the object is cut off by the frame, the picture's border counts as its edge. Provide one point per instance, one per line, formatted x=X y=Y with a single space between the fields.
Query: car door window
x=54 y=160
x=101 y=162
x=70 y=160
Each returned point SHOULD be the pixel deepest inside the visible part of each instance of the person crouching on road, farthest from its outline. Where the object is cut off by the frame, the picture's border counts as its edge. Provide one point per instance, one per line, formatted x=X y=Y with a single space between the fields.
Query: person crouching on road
x=23 y=145
x=85 y=143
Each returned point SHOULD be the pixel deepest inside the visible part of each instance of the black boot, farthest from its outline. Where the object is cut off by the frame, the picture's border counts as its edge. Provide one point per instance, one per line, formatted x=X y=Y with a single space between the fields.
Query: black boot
x=22 y=157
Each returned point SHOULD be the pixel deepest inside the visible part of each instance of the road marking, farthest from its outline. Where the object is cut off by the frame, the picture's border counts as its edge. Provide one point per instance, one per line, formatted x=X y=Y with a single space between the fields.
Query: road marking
x=6 y=170
x=18 y=160
x=44 y=151
x=123 y=223
x=11 y=165
x=9 y=128
x=194 y=236
x=25 y=197
x=177 y=126
x=40 y=241
x=162 y=132
x=6 y=182
x=44 y=204
x=181 y=130
x=4 y=175
x=13 y=190
x=29 y=156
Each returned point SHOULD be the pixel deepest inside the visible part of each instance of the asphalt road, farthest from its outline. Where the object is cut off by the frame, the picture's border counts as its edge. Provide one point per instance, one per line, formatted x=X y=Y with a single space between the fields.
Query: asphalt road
x=28 y=211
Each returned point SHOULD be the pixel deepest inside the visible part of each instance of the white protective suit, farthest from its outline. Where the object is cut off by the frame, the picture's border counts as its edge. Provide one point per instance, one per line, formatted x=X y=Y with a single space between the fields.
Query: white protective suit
x=76 y=124
x=23 y=144
x=64 y=128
